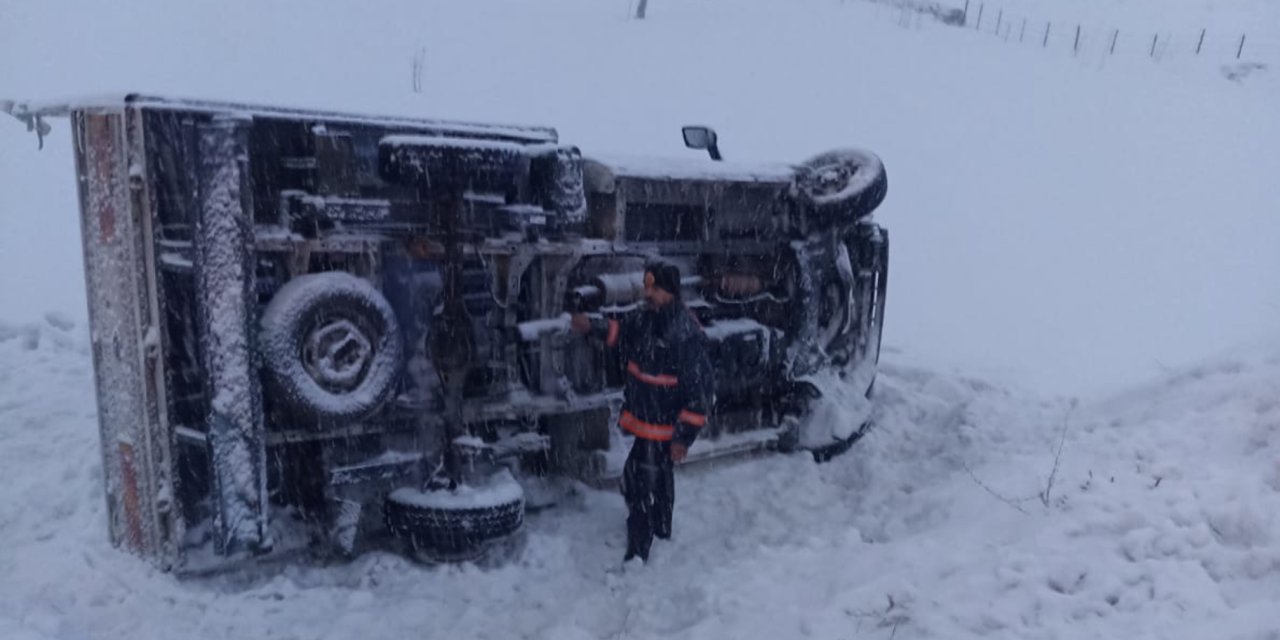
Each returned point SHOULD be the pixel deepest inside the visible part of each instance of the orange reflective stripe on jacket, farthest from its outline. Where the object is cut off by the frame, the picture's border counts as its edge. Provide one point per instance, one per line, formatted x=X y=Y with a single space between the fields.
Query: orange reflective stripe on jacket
x=660 y=380
x=642 y=429
x=612 y=338
x=693 y=419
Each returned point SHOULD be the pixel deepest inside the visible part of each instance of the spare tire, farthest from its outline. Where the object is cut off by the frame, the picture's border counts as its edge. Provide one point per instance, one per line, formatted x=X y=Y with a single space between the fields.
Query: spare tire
x=842 y=185
x=331 y=347
x=457 y=523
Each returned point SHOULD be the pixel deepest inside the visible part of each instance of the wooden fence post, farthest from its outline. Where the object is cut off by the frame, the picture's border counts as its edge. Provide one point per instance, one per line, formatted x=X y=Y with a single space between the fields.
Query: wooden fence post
x=1241 y=49
x=1046 y=34
x=1075 y=48
x=1114 y=36
x=965 y=19
x=1201 y=43
x=978 y=26
x=999 y=19
x=1023 y=33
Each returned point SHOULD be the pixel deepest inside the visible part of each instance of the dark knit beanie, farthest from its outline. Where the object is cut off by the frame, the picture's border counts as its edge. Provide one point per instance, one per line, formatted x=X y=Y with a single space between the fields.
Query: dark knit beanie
x=666 y=276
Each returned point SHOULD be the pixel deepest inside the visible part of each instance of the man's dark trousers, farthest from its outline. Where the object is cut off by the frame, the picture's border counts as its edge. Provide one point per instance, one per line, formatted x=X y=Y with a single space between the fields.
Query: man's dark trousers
x=648 y=485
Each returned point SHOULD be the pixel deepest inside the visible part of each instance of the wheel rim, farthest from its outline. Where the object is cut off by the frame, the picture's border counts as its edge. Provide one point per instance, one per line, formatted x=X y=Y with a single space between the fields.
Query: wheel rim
x=829 y=179
x=337 y=354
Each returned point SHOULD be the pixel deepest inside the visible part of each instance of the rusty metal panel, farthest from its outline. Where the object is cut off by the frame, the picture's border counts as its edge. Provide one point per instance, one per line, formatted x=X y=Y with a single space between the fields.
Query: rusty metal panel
x=160 y=436
x=120 y=311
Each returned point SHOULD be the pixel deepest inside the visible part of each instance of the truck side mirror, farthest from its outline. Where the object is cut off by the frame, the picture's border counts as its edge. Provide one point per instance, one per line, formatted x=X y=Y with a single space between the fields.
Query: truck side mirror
x=702 y=138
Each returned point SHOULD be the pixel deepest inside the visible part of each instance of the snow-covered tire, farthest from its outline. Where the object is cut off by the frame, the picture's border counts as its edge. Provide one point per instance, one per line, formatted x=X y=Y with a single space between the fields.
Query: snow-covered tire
x=443 y=525
x=331 y=347
x=841 y=186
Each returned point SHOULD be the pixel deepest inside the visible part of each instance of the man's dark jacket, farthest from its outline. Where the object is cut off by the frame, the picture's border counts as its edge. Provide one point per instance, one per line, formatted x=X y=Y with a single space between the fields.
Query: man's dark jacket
x=670 y=384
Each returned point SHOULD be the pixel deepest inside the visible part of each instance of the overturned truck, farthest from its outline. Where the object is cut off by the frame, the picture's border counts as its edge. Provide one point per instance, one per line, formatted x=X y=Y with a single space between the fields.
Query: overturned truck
x=323 y=332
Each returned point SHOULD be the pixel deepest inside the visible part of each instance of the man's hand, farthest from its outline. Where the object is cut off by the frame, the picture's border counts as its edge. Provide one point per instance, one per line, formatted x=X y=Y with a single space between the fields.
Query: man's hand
x=580 y=323
x=678 y=452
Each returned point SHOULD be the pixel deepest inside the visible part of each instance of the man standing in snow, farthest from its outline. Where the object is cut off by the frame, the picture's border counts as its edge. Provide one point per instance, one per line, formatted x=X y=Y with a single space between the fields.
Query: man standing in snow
x=668 y=392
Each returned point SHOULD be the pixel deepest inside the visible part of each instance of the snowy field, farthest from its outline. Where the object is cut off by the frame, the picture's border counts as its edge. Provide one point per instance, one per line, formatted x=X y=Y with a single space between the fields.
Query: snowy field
x=1162 y=522
x=1093 y=227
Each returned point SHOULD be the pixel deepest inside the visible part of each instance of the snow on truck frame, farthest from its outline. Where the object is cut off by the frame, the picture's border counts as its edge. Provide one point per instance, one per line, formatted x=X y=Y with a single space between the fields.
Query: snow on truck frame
x=317 y=331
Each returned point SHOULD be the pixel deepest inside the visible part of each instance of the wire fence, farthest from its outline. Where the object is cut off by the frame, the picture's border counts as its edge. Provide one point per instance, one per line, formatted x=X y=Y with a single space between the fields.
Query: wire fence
x=1079 y=38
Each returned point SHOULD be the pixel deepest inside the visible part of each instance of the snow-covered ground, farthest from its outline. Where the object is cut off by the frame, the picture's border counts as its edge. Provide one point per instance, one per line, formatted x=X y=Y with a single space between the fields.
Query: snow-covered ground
x=1094 y=226
x=1161 y=522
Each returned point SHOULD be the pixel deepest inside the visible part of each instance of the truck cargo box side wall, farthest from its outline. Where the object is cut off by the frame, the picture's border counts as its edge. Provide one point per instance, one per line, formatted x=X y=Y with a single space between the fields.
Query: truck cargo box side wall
x=125 y=327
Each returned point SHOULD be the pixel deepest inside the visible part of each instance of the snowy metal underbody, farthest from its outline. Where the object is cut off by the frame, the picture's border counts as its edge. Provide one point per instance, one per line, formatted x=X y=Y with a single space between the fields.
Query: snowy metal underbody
x=477 y=241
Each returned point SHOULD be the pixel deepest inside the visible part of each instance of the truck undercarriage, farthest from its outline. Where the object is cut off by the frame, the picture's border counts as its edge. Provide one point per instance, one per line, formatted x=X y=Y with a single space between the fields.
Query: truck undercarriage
x=323 y=331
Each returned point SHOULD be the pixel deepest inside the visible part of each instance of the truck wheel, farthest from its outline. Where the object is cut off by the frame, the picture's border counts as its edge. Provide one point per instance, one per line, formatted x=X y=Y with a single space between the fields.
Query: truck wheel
x=331 y=347
x=459 y=524
x=841 y=186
